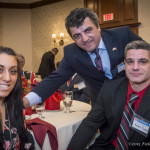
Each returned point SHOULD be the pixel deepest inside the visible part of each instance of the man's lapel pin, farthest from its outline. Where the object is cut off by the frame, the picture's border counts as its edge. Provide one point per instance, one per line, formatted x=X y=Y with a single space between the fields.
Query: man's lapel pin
x=114 y=49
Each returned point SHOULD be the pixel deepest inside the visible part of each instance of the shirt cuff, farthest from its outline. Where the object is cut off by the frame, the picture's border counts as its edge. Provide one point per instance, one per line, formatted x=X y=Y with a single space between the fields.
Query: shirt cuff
x=33 y=98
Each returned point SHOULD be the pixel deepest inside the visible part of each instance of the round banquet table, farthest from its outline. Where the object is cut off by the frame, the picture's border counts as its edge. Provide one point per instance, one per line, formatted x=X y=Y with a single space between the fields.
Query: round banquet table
x=65 y=123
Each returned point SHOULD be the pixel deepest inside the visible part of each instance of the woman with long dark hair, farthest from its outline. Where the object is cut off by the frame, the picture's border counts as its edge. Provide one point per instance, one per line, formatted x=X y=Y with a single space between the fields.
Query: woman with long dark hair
x=13 y=135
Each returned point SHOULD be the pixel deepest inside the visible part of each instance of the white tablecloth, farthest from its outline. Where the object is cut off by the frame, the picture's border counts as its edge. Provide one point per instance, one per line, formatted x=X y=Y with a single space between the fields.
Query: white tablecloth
x=66 y=124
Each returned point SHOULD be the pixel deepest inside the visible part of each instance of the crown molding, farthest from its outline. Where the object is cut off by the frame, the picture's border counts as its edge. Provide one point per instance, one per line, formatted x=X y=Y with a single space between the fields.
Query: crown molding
x=44 y=2
x=28 y=6
x=15 y=5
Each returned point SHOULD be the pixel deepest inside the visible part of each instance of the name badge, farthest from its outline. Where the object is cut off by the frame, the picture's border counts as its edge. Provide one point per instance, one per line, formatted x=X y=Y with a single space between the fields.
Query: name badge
x=81 y=85
x=120 y=67
x=140 y=124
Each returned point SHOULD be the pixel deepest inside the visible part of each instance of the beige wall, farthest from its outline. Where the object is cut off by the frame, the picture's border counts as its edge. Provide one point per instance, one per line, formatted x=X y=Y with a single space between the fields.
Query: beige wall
x=144 y=18
x=47 y=20
x=16 y=30
x=1 y=43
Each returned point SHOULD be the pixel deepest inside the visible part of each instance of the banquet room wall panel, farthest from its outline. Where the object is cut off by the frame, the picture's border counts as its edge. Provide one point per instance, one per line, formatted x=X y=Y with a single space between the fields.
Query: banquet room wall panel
x=144 y=18
x=1 y=42
x=16 y=32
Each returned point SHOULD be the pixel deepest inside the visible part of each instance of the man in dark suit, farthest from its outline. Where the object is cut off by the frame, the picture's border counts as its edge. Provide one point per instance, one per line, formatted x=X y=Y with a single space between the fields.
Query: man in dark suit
x=111 y=105
x=47 y=65
x=80 y=89
x=81 y=57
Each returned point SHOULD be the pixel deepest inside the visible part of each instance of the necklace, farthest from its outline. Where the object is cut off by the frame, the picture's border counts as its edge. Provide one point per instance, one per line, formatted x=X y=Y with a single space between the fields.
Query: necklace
x=9 y=125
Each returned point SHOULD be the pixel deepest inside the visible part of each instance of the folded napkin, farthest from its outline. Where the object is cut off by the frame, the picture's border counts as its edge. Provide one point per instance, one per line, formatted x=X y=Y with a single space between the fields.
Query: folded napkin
x=40 y=128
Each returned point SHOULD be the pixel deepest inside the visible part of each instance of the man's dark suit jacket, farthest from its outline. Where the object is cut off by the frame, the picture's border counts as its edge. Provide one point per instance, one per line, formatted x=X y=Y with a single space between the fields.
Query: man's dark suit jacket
x=82 y=95
x=78 y=60
x=107 y=114
x=47 y=65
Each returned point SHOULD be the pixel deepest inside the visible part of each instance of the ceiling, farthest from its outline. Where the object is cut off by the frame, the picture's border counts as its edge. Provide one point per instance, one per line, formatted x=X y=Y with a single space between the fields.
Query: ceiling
x=25 y=3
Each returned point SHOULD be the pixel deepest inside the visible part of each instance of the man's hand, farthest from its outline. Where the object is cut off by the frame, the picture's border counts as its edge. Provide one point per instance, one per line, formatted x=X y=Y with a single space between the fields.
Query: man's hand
x=26 y=102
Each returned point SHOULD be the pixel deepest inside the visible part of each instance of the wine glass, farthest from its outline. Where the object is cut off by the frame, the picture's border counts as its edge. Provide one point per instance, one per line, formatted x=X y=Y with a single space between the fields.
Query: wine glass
x=40 y=109
x=67 y=100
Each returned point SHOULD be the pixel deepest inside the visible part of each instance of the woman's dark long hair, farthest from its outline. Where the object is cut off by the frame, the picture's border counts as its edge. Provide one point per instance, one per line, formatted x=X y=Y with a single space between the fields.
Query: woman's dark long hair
x=14 y=103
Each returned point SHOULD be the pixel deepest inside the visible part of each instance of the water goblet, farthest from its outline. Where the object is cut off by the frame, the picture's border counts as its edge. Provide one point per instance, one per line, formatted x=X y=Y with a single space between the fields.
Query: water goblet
x=40 y=109
x=67 y=100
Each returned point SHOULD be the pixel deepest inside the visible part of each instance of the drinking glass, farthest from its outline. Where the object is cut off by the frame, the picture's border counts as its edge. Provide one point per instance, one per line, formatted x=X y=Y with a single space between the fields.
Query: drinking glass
x=40 y=109
x=67 y=100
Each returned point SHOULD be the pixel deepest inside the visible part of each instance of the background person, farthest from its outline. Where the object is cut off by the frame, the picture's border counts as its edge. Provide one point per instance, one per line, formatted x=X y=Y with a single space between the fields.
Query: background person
x=24 y=75
x=47 y=65
x=83 y=26
x=80 y=89
x=21 y=60
x=115 y=114
x=13 y=134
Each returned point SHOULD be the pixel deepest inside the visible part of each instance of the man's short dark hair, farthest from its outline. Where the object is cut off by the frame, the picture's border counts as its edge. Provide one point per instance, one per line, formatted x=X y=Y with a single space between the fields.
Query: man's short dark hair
x=137 y=45
x=77 y=16
x=20 y=55
x=55 y=50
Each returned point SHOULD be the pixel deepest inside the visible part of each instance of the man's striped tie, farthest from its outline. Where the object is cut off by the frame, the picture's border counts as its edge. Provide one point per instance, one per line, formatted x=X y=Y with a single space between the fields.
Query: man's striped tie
x=122 y=139
x=98 y=61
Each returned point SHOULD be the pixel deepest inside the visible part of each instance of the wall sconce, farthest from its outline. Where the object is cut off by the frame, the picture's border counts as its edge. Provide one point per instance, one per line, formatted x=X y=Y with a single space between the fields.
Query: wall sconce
x=54 y=38
x=60 y=39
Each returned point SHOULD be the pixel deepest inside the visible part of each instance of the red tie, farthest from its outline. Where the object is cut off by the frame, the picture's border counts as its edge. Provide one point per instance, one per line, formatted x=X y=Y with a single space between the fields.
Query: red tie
x=68 y=82
x=123 y=135
x=98 y=61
